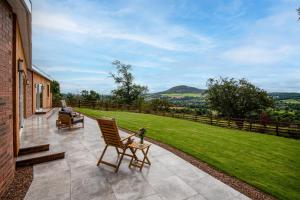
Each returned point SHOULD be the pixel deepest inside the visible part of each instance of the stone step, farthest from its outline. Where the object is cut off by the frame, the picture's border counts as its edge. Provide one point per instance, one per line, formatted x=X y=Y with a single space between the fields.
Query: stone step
x=33 y=149
x=40 y=157
x=51 y=112
x=43 y=111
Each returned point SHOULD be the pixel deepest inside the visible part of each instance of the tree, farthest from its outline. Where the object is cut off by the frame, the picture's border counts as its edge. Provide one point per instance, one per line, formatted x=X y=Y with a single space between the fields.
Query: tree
x=298 y=10
x=84 y=94
x=236 y=98
x=93 y=96
x=160 y=104
x=72 y=99
x=55 y=90
x=127 y=92
x=90 y=95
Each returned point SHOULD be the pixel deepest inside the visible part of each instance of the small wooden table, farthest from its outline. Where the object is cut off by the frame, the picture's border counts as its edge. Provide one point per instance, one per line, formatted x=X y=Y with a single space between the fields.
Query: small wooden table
x=144 y=148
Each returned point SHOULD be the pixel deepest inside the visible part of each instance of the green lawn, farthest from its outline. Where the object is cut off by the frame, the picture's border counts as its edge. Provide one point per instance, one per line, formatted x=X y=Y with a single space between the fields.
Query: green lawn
x=267 y=162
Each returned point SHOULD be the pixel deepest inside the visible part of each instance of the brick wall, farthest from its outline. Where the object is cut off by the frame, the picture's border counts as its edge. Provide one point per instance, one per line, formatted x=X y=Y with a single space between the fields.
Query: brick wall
x=29 y=95
x=7 y=165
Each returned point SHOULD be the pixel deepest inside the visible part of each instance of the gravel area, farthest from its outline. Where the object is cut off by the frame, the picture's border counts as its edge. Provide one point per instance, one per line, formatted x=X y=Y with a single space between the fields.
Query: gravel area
x=235 y=183
x=20 y=185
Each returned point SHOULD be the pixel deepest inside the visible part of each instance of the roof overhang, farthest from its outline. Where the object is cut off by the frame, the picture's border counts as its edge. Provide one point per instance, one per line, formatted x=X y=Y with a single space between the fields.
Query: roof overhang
x=40 y=72
x=22 y=9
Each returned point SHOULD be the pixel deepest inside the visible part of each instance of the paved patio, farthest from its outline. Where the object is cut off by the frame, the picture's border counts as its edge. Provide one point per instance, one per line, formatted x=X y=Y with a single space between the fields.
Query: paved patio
x=77 y=176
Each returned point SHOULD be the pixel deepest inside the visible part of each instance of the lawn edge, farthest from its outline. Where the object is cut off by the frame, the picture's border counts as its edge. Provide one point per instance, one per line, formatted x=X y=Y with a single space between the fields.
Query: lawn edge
x=240 y=185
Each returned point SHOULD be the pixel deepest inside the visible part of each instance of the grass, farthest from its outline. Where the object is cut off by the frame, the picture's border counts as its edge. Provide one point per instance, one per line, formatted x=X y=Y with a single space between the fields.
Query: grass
x=269 y=163
x=291 y=101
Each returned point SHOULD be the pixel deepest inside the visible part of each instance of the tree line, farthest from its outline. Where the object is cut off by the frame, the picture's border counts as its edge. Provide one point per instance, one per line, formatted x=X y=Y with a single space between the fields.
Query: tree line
x=224 y=97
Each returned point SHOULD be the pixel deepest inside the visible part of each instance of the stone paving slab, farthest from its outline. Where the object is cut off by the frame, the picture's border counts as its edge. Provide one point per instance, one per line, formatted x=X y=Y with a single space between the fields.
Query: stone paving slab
x=78 y=177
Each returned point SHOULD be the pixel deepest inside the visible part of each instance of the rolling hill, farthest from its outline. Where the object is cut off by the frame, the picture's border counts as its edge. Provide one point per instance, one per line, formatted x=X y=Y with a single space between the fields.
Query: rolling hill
x=182 y=89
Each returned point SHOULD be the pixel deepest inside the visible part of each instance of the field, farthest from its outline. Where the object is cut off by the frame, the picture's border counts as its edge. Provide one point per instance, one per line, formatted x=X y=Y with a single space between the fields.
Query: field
x=291 y=101
x=267 y=162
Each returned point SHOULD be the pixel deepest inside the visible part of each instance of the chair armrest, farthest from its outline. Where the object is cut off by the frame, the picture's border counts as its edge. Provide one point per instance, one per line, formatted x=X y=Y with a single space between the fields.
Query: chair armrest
x=76 y=114
x=126 y=138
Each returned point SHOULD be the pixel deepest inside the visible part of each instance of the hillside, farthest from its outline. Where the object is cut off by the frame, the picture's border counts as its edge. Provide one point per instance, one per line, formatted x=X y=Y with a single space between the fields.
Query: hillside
x=180 y=89
x=285 y=95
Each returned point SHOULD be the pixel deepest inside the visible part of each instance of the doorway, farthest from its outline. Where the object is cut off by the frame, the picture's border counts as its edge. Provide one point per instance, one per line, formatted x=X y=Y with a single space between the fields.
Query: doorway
x=21 y=94
x=39 y=96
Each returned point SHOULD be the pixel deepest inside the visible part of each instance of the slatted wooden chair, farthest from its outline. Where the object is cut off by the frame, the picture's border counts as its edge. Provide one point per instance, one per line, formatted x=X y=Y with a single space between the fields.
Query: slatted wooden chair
x=111 y=136
x=63 y=103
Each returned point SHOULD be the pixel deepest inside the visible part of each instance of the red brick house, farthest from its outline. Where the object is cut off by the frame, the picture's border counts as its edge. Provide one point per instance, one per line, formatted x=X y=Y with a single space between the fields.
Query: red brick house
x=16 y=82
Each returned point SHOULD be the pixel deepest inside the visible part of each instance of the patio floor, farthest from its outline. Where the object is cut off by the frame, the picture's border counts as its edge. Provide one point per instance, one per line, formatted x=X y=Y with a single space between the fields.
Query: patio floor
x=77 y=176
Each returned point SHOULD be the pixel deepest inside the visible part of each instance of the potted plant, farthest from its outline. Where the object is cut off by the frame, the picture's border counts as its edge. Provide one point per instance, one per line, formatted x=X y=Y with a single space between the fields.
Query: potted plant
x=141 y=134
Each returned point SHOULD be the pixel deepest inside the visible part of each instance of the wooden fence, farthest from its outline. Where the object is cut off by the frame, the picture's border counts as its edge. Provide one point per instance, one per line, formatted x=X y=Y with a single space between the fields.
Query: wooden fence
x=278 y=128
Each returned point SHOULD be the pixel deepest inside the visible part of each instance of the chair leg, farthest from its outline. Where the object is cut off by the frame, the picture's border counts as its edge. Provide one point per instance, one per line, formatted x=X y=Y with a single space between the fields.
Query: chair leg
x=100 y=159
x=118 y=152
x=119 y=163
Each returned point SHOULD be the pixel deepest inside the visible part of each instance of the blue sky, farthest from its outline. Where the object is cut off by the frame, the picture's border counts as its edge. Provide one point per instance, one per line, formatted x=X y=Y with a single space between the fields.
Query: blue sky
x=168 y=42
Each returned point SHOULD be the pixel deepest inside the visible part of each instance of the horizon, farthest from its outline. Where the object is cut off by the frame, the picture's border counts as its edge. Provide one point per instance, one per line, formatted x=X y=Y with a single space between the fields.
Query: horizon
x=108 y=94
x=169 y=44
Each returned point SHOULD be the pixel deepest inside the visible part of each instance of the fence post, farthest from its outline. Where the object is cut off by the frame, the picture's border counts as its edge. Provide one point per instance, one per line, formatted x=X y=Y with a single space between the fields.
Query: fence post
x=210 y=119
x=196 y=117
x=79 y=104
x=277 y=127
x=250 y=125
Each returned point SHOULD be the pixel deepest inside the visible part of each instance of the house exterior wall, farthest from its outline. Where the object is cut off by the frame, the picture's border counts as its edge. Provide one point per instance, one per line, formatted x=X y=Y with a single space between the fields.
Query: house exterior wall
x=7 y=163
x=19 y=56
x=29 y=93
x=47 y=95
x=11 y=51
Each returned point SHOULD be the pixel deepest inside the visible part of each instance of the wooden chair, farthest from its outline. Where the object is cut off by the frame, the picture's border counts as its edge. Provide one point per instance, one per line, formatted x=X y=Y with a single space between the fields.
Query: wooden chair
x=67 y=119
x=111 y=136
x=63 y=103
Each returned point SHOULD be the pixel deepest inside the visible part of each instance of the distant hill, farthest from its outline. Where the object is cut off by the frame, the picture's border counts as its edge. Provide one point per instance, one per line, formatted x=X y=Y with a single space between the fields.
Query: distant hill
x=181 y=89
x=285 y=95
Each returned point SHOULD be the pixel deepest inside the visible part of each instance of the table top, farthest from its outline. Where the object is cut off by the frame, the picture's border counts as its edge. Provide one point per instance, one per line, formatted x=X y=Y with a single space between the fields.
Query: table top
x=137 y=145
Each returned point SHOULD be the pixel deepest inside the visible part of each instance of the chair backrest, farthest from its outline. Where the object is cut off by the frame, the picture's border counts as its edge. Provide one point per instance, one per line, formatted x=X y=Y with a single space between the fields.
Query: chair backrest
x=63 y=103
x=110 y=132
x=64 y=117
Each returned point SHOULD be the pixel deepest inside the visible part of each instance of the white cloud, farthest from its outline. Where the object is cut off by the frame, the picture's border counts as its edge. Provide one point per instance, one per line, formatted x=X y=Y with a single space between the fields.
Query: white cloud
x=58 y=22
x=72 y=69
x=158 y=33
x=270 y=40
x=258 y=55
x=164 y=49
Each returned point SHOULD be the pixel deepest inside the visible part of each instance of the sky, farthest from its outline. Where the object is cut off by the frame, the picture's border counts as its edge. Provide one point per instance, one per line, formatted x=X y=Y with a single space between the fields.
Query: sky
x=168 y=43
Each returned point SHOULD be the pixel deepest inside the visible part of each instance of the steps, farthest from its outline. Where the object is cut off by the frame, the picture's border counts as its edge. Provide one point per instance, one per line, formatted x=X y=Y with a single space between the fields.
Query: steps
x=34 y=149
x=38 y=154
x=40 y=112
x=51 y=113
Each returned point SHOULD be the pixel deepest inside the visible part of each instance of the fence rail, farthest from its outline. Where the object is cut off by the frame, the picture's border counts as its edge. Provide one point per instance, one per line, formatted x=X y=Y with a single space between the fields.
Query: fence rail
x=278 y=128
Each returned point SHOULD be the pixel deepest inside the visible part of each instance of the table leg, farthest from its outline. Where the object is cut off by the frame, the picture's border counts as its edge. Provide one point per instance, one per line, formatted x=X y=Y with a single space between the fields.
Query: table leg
x=134 y=153
x=145 y=158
